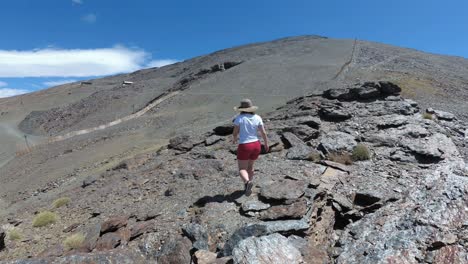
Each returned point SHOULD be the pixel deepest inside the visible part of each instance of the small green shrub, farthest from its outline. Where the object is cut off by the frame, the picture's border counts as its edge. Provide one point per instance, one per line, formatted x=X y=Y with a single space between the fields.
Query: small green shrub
x=61 y=202
x=74 y=241
x=44 y=218
x=14 y=234
x=340 y=157
x=427 y=116
x=361 y=152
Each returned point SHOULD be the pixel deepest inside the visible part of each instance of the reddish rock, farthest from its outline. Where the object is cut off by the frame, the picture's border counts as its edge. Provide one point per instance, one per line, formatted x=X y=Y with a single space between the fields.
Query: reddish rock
x=205 y=257
x=113 y=224
x=108 y=241
x=293 y=211
x=140 y=228
x=176 y=251
x=125 y=235
x=450 y=255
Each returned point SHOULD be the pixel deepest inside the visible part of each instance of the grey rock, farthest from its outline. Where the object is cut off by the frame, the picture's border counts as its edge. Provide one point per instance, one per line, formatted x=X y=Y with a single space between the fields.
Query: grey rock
x=212 y=140
x=197 y=234
x=299 y=150
x=176 y=250
x=437 y=146
x=2 y=239
x=254 y=205
x=88 y=181
x=310 y=121
x=262 y=229
x=334 y=115
x=337 y=141
x=123 y=256
x=224 y=130
x=283 y=190
x=274 y=248
x=444 y=115
x=391 y=121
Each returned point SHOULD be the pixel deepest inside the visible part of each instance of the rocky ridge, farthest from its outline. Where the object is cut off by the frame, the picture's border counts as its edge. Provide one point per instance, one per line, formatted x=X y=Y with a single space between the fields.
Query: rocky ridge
x=404 y=203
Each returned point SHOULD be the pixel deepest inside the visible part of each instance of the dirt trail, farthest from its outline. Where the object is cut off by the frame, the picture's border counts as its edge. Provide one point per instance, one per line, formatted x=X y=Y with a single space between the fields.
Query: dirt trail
x=115 y=122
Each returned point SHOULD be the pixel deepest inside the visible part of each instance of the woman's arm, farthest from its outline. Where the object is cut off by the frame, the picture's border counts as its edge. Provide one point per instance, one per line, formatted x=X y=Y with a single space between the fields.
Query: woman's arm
x=265 y=137
x=235 y=134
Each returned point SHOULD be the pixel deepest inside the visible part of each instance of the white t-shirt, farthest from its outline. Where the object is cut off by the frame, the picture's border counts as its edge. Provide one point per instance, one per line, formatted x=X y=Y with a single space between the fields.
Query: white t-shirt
x=248 y=125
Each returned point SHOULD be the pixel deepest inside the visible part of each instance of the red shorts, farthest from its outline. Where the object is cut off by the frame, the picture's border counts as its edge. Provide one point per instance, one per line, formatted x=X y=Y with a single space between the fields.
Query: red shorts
x=249 y=151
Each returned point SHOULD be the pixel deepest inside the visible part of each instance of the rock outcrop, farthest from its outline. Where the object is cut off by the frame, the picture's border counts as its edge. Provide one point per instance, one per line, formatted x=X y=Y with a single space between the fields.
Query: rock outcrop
x=404 y=200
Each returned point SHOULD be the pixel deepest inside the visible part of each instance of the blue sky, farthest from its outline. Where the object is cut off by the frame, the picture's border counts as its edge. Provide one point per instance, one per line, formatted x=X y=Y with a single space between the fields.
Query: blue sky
x=48 y=42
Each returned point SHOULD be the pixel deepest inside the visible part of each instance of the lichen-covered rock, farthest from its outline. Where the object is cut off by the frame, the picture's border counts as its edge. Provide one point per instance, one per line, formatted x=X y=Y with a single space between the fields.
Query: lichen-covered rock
x=337 y=142
x=176 y=251
x=267 y=249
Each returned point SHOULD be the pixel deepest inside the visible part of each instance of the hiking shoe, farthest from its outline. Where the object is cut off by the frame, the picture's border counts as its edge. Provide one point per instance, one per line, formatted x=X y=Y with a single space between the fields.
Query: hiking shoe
x=248 y=188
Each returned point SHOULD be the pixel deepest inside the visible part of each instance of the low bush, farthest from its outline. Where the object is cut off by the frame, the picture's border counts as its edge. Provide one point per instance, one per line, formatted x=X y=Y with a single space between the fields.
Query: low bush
x=341 y=157
x=61 y=202
x=14 y=234
x=361 y=152
x=44 y=218
x=314 y=157
x=74 y=241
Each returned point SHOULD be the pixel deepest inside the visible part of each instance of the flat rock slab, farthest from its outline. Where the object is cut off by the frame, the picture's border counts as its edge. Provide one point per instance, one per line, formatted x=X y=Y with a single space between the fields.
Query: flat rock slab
x=283 y=190
x=113 y=224
x=293 y=211
x=254 y=205
x=274 y=248
x=337 y=141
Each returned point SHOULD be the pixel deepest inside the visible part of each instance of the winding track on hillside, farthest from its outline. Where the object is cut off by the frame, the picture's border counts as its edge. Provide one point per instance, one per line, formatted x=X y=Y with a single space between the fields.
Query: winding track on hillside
x=141 y=112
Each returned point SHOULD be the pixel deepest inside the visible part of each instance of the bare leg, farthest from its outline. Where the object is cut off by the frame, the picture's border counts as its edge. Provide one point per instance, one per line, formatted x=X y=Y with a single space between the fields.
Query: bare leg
x=243 y=173
x=250 y=169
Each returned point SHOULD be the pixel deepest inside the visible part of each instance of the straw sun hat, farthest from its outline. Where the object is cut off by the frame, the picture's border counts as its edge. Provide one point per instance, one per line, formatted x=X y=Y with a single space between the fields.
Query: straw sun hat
x=246 y=106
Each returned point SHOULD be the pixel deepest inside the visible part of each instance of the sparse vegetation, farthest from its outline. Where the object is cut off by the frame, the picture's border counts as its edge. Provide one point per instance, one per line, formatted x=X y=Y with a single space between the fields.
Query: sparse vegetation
x=14 y=234
x=361 y=152
x=61 y=202
x=427 y=116
x=314 y=157
x=74 y=241
x=341 y=157
x=44 y=218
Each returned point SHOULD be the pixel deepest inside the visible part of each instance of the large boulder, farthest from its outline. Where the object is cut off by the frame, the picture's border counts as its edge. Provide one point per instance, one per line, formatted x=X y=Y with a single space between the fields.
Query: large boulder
x=274 y=248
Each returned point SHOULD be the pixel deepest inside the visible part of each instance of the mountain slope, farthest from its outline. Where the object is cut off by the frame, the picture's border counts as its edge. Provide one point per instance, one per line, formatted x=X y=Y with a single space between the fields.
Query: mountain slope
x=270 y=73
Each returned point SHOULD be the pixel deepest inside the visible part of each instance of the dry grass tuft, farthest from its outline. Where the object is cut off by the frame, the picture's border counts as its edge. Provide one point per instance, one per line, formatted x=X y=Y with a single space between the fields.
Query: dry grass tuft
x=14 y=234
x=44 y=218
x=341 y=157
x=427 y=116
x=314 y=157
x=361 y=152
x=61 y=202
x=74 y=241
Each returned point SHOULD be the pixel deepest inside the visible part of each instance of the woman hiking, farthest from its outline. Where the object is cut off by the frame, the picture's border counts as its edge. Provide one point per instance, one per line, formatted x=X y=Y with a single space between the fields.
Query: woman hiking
x=246 y=127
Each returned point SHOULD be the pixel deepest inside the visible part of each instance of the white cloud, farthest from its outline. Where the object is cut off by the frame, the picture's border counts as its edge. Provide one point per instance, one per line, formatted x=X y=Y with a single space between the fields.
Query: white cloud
x=3 y=84
x=89 y=18
x=160 y=63
x=59 y=82
x=7 y=92
x=77 y=2
x=71 y=63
